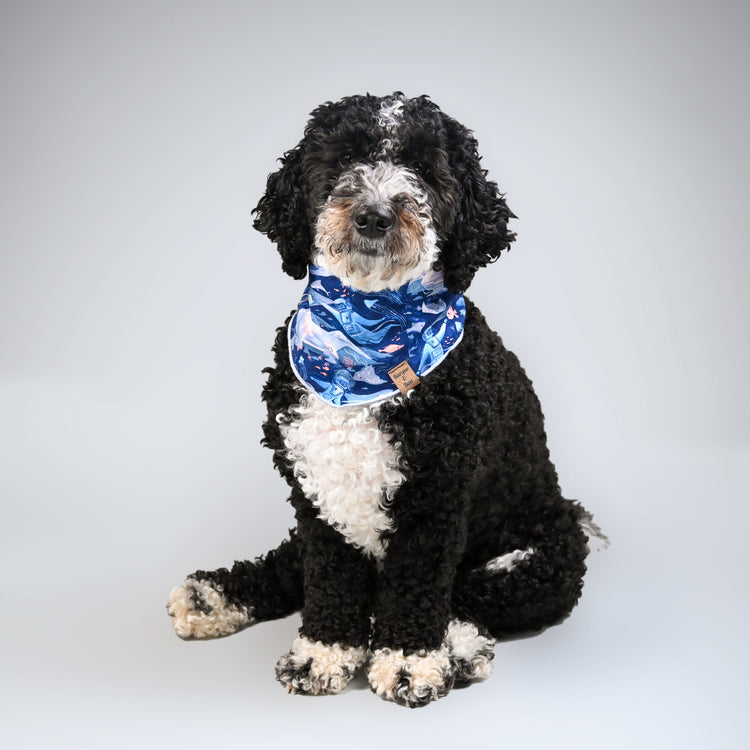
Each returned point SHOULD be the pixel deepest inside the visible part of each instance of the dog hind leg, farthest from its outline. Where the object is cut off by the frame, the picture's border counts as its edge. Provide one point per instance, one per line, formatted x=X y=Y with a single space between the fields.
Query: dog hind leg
x=211 y=604
x=527 y=589
x=471 y=651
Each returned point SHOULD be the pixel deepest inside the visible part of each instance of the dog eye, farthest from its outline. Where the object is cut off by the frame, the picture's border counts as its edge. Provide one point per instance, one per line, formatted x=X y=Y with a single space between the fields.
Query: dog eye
x=346 y=158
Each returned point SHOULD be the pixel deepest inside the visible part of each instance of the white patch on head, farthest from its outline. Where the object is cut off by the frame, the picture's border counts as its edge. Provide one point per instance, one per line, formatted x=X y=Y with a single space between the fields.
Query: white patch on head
x=316 y=668
x=390 y=114
x=508 y=561
x=346 y=467
x=389 y=118
x=470 y=651
x=374 y=185
x=412 y=680
x=198 y=610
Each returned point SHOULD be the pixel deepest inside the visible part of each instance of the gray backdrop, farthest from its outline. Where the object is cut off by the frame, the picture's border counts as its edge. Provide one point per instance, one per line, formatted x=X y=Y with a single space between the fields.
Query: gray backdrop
x=138 y=309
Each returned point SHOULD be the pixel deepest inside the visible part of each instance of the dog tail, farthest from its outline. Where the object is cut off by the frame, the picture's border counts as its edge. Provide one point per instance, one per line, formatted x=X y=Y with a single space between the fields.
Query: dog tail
x=595 y=535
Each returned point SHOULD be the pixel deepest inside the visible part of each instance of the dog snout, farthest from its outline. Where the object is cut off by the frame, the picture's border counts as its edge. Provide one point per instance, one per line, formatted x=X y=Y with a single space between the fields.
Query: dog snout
x=374 y=221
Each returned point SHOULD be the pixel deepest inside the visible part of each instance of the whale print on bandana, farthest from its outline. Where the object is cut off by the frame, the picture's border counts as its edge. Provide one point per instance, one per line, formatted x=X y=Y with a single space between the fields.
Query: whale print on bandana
x=343 y=343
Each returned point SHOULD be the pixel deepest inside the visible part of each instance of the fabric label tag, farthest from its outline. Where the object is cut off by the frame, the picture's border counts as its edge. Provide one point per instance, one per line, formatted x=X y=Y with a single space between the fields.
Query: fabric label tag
x=404 y=377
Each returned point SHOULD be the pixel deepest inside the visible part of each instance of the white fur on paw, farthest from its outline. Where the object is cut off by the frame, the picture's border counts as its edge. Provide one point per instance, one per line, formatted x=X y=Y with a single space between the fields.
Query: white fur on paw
x=315 y=668
x=198 y=610
x=412 y=680
x=471 y=652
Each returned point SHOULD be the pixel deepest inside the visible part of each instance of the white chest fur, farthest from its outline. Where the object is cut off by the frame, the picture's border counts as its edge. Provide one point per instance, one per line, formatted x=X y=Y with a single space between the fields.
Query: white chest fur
x=346 y=467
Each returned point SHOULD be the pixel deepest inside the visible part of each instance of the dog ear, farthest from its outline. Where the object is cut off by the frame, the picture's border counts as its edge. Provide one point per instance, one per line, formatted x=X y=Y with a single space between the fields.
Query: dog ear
x=281 y=214
x=480 y=229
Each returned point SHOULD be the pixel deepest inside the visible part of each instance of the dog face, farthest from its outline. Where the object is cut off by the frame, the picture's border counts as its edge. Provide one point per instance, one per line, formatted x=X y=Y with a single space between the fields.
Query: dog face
x=380 y=190
x=375 y=229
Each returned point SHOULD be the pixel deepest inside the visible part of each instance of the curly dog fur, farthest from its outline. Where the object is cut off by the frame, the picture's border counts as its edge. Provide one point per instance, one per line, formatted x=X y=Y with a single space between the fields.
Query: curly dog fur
x=432 y=523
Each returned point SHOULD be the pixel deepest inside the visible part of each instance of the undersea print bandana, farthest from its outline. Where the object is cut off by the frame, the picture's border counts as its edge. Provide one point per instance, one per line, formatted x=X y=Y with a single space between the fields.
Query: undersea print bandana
x=351 y=347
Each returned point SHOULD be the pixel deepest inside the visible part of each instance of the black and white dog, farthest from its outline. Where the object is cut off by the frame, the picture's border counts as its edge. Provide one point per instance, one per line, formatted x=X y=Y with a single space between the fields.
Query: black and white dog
x=429 y=519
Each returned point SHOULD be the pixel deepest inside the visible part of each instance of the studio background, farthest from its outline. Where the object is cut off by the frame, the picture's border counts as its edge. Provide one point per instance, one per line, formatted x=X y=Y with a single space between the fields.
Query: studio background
x=138 y=308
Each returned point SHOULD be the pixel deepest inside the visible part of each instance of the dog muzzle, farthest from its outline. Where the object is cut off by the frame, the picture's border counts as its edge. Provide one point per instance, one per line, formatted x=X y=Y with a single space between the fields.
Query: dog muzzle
x=352 y=348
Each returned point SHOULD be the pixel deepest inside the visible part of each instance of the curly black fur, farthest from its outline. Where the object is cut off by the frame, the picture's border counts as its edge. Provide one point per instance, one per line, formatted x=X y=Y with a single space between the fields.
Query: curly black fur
x=480 y=484
x=471 y=217
x=479 y=480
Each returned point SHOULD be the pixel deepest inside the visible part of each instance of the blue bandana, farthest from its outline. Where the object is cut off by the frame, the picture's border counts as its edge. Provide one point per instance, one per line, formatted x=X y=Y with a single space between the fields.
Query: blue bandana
x=351 y=347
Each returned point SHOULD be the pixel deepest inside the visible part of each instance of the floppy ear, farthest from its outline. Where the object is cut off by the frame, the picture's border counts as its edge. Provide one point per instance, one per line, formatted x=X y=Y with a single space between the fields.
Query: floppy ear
x=281 y=215
x=480 y=230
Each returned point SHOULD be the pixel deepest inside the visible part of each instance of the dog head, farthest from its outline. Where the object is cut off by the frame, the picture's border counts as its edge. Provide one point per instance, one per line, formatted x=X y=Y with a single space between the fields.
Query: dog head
x=379 y=191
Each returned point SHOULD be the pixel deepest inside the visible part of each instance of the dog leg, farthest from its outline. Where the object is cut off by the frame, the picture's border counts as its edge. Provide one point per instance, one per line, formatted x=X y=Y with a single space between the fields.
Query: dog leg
x=411 y=663
x=529 y=588
x=211 y=604
x=338 y=591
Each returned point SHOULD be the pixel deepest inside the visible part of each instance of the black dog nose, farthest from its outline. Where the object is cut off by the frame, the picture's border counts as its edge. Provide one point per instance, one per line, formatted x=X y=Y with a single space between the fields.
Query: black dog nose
x=374 y=221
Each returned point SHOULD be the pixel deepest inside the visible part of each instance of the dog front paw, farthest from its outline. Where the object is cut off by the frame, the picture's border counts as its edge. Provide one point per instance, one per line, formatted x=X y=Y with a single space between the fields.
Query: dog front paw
x=200 y=610
x=413 y=680
x=315 y=668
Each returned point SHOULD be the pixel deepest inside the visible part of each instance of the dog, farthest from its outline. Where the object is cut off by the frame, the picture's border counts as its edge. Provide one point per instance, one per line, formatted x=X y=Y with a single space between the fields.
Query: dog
x=429 y=518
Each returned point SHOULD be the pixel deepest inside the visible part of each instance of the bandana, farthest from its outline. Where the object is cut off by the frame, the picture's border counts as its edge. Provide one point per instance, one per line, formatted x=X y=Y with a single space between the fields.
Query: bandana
x=351 y=347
